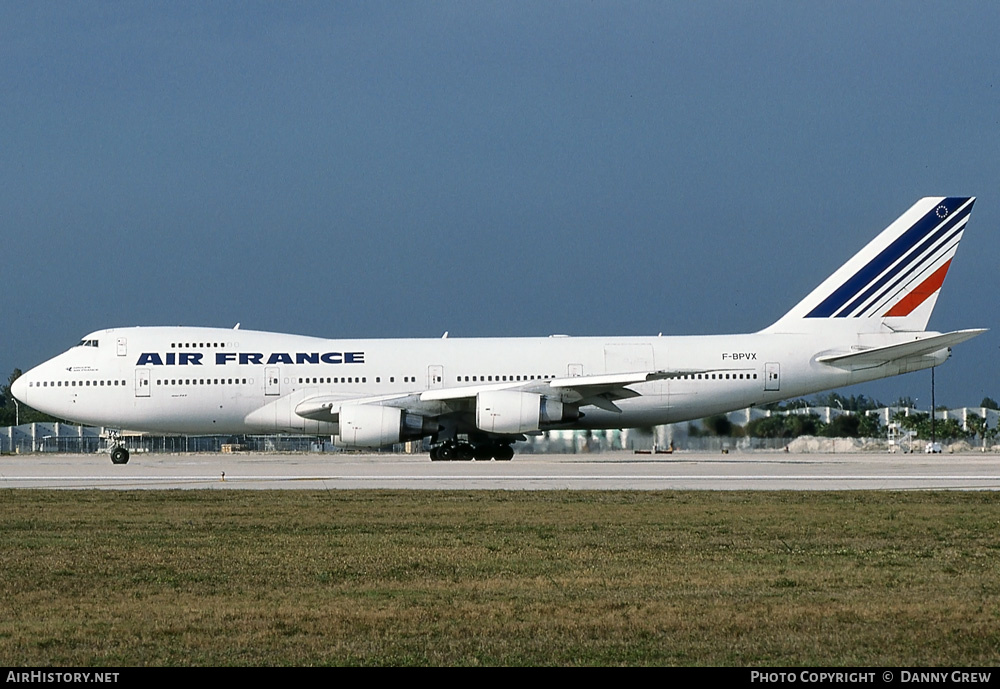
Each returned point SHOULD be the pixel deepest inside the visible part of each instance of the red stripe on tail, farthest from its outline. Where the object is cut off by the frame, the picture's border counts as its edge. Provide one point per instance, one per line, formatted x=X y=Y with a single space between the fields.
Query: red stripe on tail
x=919 y=295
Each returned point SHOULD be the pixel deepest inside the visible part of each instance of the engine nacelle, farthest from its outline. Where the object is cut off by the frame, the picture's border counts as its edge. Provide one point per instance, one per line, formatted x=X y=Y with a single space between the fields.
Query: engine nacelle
x=512 y=412
x=370 y=425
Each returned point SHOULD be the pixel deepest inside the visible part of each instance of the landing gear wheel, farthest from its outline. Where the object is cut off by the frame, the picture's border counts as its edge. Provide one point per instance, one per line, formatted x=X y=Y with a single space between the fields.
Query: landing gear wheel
x=452 y=451
x=504 y=453
x=119 y=455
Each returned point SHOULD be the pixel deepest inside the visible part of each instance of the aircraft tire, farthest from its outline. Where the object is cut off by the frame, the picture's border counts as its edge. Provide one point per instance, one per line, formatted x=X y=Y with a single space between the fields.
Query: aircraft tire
x=119 y=455
x=504 y=453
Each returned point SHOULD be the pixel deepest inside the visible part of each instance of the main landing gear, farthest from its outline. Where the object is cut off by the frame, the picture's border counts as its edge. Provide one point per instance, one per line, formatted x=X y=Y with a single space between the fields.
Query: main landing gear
x=119 y=454
x=452 y=451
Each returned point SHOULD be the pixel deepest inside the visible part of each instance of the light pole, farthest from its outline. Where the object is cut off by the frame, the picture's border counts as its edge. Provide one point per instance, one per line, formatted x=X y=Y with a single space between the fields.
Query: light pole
x=17 y=411
x=933 y=434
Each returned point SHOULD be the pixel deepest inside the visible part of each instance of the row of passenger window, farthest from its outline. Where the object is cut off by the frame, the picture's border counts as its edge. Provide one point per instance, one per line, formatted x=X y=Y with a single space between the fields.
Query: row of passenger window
x=196 y=345
x=413 y=379
x=706 y=376
x=72 y=383
x=204 y=381
x=352 y=379
x=356 y=379
x=500 y=379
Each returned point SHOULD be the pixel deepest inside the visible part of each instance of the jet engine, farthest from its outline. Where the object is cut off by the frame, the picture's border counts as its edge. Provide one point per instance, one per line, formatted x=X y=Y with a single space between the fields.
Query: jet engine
x=370 y=425
x=512 y=412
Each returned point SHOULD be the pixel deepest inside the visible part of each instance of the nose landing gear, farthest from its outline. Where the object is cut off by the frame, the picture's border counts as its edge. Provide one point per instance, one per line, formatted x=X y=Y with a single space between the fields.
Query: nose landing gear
x=119 y=453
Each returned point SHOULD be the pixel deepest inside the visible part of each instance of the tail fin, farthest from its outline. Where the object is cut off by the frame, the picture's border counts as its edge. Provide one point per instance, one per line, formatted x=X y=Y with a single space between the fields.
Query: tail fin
x=892 y=282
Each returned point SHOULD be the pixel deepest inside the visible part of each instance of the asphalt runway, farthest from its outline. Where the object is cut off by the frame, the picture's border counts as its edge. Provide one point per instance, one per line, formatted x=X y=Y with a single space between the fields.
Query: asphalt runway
x=609 y=471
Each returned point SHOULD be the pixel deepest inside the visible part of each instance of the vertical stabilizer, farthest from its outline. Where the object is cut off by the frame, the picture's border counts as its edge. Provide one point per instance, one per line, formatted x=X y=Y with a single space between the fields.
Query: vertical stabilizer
x=895 y=280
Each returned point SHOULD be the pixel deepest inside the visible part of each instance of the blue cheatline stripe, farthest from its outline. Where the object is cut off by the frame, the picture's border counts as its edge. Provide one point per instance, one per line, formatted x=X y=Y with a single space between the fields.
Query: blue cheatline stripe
x=942 y=250
x=889 y=255
x=954 y=225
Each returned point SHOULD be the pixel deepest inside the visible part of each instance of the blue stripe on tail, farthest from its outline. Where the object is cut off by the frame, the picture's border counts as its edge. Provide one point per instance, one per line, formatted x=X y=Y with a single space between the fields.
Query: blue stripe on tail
x=849 y=291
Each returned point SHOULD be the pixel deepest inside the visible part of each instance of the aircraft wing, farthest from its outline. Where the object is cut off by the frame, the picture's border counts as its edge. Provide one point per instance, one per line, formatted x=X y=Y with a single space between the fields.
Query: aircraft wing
x=326 y=407
x=603 y=390
x=598 y=390
x=877 y=356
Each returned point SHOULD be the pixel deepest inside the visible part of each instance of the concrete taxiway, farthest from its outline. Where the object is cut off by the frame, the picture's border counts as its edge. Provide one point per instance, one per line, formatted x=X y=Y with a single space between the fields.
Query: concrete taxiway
x=610 y=471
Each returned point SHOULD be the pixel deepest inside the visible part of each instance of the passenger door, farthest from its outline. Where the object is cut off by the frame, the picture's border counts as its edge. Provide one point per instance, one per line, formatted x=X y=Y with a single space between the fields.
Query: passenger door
x=142 y=382
x=272 y=381
x=772 y=380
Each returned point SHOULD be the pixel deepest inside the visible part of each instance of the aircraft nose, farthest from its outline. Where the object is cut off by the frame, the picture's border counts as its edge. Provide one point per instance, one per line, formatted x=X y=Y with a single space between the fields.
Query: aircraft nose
x=19 y=388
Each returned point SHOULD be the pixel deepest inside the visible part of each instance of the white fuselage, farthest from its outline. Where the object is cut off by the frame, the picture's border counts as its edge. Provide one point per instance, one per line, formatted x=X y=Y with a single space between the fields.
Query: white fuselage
x=218 y=381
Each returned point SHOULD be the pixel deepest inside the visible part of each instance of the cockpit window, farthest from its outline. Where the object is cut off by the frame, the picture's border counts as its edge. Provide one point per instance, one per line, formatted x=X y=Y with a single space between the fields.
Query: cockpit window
x=87 y=343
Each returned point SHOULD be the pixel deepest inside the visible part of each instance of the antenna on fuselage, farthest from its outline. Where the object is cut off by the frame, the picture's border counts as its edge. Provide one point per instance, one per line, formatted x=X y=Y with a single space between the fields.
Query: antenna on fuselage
x=236 y=327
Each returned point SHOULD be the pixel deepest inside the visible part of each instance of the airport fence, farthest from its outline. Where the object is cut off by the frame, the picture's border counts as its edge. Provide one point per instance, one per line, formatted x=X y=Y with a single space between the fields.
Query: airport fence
x=70 y=439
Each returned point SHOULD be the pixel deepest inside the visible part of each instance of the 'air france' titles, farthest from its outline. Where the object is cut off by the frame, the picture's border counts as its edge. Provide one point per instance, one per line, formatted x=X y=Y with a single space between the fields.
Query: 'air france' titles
x=248 y=358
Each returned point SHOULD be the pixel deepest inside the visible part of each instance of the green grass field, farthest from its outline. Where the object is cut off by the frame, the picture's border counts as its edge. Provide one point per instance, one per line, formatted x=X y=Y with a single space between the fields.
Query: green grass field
x=499 y=578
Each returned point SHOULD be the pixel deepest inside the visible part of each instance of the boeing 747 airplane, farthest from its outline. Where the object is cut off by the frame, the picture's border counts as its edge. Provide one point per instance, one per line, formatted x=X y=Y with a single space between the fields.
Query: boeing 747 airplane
x=474 y=398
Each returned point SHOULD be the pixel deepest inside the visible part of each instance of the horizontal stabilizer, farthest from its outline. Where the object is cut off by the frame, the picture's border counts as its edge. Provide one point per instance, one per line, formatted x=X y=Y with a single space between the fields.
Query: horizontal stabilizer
x=882 y=355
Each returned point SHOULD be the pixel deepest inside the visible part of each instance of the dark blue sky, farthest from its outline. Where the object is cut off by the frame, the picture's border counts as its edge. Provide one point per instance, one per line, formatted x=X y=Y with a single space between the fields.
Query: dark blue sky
x=401 y=169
